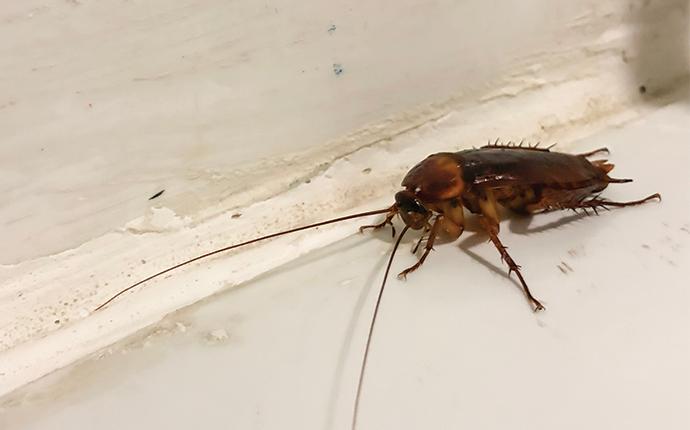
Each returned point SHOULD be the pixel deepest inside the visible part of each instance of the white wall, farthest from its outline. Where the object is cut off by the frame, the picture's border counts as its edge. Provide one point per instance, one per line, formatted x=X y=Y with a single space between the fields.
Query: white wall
x=104 y=103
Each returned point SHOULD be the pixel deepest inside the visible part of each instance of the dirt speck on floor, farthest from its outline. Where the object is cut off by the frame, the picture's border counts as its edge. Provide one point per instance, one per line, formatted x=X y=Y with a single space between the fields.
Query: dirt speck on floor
x=216 y=336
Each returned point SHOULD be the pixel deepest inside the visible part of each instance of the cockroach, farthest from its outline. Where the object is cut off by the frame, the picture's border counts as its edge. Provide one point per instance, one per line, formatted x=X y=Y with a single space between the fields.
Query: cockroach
x=437 y=191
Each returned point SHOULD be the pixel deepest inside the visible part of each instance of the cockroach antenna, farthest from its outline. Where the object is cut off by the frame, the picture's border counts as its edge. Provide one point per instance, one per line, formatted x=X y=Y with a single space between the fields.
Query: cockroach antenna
x=362 y=369
x=228 y=248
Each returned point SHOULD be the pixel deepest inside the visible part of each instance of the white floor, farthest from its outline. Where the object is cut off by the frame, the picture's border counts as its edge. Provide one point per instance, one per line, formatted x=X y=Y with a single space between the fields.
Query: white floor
x=456 y=345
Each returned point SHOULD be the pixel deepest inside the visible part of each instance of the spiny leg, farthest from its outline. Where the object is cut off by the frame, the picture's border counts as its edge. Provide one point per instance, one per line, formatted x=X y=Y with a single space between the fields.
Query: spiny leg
x=596 y=202
x=489 y=221
x=596 y=151
x=512 y=266
x=387 y=221
x=427 y=248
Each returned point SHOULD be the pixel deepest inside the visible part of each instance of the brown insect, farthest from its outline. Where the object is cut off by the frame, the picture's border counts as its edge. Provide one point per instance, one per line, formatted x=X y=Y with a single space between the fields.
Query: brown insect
x=437 y=191
x=526 y=180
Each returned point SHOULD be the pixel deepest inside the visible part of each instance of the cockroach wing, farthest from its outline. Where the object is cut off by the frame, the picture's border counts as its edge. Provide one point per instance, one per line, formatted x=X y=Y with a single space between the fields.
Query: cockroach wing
x=501 y=167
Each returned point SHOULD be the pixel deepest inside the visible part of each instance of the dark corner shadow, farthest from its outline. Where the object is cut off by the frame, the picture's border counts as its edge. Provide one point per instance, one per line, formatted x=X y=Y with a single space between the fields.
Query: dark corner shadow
x=660 y=61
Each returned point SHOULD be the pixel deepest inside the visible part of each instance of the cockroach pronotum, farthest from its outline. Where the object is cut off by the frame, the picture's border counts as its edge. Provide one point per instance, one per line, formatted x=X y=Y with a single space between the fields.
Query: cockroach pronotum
x=524 y=179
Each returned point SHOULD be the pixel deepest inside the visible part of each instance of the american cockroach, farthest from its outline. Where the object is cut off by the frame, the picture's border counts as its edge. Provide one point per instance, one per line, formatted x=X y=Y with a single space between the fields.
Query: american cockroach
x=437 y=191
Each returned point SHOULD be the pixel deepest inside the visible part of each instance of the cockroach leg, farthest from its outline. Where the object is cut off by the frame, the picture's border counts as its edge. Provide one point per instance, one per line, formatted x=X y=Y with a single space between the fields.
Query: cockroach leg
x=387 y=221
x=596 y=151
x=489 y=221
x=421 y=239
x=427 y=248
x=491 y=228
x=598 y=203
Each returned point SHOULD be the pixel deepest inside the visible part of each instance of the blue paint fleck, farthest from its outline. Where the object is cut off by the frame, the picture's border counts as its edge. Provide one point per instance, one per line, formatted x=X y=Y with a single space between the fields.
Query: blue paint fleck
x=337 y=69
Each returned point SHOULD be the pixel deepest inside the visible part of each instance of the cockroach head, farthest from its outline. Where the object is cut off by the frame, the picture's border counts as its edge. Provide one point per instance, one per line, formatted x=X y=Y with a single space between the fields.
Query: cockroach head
x=411 y=210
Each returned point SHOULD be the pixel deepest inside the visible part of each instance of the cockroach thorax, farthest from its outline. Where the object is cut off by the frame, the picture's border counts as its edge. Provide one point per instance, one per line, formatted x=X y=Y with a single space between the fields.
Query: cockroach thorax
x=436 y=178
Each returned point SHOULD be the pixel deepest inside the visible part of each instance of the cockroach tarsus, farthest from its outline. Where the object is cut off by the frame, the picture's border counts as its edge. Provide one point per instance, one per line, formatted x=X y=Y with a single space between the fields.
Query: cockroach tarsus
x=437 y=191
